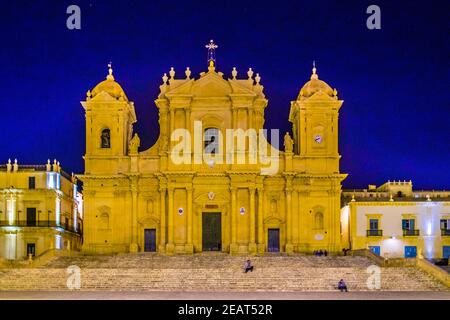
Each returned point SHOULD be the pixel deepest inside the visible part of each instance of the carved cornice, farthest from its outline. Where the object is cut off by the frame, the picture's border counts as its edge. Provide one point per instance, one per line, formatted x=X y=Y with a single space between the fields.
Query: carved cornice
x=273 y=219
x=179 y=173
x=100 y=177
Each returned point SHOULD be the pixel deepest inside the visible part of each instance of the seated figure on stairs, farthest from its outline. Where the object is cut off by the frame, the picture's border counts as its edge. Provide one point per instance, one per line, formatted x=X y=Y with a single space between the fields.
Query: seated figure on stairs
x=342 y=286
x=248 y=266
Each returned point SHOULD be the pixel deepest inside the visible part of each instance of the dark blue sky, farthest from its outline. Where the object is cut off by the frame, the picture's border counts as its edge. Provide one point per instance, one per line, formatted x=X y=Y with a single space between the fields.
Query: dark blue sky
x=394 y=123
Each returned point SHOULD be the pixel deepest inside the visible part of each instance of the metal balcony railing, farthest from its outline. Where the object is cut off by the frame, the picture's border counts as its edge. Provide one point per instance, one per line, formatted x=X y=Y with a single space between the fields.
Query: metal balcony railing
x=410 y=233
x=374 y=233
x=41 y=224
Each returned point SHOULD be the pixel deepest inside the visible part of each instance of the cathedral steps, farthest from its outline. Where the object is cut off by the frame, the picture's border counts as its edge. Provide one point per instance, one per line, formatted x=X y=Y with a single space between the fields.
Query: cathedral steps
x=147 y=272
x=204 y=261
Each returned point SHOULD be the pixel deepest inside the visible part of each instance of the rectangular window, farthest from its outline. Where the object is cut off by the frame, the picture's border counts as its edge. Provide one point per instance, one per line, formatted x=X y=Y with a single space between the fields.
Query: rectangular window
x=31 y=182
x=31 y=217
x=408 y=224
x=31 y=249
x=445 y=224
x=53 y=180
x=373 y=224
x=446 y=252
x=211 y=141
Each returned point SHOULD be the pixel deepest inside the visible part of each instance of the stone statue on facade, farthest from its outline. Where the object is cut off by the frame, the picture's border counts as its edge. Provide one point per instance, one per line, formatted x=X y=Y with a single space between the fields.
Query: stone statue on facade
x=288 y=143
x=106 y=142
x=135 y=142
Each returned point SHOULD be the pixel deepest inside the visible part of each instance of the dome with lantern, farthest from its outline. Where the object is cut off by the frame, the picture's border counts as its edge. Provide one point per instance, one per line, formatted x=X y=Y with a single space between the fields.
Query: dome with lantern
x=315 y=85
x=110 y=86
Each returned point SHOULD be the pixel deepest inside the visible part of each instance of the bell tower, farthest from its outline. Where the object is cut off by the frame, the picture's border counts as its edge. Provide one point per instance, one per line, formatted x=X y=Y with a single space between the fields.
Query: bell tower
x=314 y=117
x=109 y=126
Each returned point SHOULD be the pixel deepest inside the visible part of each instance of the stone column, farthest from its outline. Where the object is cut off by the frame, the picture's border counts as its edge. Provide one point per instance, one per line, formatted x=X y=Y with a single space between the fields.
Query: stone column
x=134 y=247
x=188 y=119
x=190 y=214
x=172 y=120
x=198 y=225
x=289 y=245
x=163 y=120
x=187 y=113
x=170 y=245
x=233 y=246
x=295 y=209
x=252 y=245
x=261 y=246
x=162 y=225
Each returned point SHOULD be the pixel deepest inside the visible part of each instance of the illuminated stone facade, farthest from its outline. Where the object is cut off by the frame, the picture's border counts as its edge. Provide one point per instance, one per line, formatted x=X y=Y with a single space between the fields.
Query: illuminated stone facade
x=150 y=200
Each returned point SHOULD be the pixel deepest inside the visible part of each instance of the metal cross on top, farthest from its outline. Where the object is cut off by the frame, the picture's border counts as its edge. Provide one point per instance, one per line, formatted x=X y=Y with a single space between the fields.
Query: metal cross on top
x=211 y=46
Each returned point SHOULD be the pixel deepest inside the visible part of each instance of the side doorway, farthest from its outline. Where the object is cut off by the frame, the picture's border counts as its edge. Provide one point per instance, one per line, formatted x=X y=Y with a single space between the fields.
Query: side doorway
x=273 y=243
x=150 y=240
x=375 y=249
x=410 y=251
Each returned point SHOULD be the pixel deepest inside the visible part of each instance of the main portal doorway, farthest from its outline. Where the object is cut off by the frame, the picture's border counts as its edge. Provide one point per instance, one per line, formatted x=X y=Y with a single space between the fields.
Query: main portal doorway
x=211 y=231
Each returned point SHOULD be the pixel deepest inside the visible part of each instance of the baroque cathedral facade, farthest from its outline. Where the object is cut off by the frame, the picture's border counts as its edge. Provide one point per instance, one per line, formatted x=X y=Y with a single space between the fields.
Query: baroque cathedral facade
x=175 y=199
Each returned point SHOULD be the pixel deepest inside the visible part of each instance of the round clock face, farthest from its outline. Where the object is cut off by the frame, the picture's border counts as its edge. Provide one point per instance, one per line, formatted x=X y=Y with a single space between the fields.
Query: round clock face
x=318 y=138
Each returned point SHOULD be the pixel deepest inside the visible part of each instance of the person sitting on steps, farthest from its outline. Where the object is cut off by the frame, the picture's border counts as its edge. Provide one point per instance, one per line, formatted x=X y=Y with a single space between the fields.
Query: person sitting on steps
x=342 y=286
x=248 y=266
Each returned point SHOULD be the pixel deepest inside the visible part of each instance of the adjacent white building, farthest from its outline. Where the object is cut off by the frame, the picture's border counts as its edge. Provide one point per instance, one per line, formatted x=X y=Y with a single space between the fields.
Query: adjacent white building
x=394 y=221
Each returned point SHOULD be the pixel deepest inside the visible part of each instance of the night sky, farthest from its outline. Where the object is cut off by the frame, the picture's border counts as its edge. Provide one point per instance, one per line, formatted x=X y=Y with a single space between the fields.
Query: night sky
x=394 y=123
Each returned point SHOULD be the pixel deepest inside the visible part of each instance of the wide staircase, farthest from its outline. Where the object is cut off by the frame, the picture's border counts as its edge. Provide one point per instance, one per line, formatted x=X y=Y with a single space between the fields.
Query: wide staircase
x=213 y=272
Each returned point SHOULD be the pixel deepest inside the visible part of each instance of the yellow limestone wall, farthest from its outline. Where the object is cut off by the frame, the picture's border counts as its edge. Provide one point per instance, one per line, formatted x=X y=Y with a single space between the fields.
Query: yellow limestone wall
x=126 y=191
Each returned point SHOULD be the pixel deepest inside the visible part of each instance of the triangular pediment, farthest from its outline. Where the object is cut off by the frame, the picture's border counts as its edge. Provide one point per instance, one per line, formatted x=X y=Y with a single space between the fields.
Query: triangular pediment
x=181 y=89
x=211 y=85
x=240 y=88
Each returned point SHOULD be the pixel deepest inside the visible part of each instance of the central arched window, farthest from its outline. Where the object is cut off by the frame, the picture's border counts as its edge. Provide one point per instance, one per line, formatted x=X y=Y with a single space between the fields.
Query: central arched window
x=105 y=139
x=211 y=140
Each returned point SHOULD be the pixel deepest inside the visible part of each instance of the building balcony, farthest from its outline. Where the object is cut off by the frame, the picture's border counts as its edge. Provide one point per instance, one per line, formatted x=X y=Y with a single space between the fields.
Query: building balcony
x=40 y=224
x=374 y=233
x=410 y=233
x=445 y=232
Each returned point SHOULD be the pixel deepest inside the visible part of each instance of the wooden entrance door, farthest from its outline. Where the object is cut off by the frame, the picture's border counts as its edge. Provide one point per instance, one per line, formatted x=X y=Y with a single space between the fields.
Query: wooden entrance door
x=211 y=231
x=150 y=240
x=274 y=240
